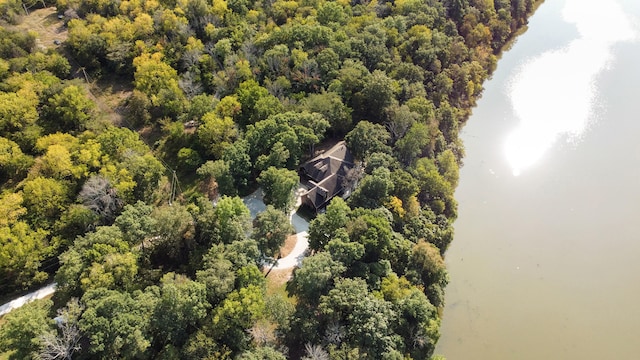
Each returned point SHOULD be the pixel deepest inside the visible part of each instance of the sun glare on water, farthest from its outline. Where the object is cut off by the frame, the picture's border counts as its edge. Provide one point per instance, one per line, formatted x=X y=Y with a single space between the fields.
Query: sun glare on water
x=553 y=95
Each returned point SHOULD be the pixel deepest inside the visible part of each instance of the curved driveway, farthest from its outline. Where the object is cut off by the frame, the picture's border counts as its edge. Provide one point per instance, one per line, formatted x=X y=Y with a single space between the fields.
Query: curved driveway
x=38 y=294
x=255 y=204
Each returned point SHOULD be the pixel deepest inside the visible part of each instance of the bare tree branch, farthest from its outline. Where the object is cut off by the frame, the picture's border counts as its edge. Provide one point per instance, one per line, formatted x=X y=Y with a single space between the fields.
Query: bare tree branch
x=66 y=341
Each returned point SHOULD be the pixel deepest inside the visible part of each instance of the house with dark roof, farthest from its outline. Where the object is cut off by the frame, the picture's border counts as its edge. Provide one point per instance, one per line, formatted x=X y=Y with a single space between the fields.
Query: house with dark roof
x=324 y=176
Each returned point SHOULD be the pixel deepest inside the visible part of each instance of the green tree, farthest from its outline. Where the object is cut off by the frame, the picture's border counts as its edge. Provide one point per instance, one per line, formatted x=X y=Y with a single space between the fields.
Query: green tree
x=429 y=264
x=229 y=106
x=372 y=228
x=217 y=274
x=329 y=64
x=379 y=93
x=457 y=8
x=22 y=251
x=174 y=235
x=316 y=277
x=216 y=133
x=137 y=110
x=135 y=222
x=279 y=309
x=404 y=185
x=10 y=11
x=344 y=250
x=22 y=329
x=11 y=208
x=87 y=46
x=373 y=190
x=262 y=353
x=435 y=190
x=380 y=159
x=418 y=320
x=270 y=230
x=4 y=69
x=119 y=143
x=256 y=102
x=44 y=199
x=199 y=105
x=159 y=81
x=238 y=312
x=309 y=127
x=217 y=175
x=368 y=320
x=399 y=120
x=349 y=83
x=414 y=142
x=18 y=110
x=202 y=346
x=266 y=136
x=13 y=162
x=324 y=226
x=367 y=138
x=278 y=186
x=448 y=167
x=233 y=219
x=330 y=105
x=448 y=119
x=68 y=110
x=243 y=253
x=239 y=161
x=101 y=259
x=181 y=307
x=188 y=159
x=250 y=275
x=136 y=171
x=56 y=163
x=332 y=13
x=117 y=323
x=146 y=171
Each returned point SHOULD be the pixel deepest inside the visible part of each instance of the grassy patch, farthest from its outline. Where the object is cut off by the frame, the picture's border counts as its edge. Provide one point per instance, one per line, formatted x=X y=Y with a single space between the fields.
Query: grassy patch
x=288 y=246
x=47 y=26
x=110 y=96
x=277 y=283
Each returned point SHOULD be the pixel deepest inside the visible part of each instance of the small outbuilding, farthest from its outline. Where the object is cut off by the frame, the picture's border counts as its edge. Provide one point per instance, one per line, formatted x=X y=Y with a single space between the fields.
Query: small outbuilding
x=325 y=176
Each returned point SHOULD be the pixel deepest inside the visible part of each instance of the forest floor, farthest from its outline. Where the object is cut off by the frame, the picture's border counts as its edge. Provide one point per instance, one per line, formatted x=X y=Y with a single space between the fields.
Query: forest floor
x=277 y=279
x=110 y=96
x=47 y=26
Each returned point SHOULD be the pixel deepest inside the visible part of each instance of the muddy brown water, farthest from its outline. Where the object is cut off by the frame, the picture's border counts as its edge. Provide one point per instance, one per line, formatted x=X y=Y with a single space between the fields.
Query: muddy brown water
x=546 y=259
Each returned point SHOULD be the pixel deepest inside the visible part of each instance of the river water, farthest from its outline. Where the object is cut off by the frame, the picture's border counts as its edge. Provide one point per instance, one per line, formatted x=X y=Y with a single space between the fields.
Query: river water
x=546 y=259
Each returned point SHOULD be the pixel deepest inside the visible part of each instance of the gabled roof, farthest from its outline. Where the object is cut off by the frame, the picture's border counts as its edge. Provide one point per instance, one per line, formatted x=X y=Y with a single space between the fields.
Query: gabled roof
x=325 y=173
x=323 y=192
x=337 y=160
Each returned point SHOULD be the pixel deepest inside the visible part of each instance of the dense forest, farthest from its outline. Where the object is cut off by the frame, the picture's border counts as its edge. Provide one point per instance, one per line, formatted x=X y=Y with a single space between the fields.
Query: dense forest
x=136 y=213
